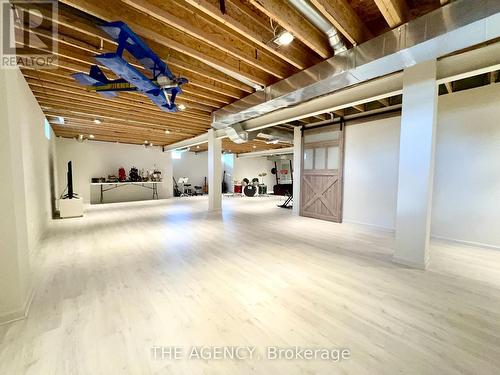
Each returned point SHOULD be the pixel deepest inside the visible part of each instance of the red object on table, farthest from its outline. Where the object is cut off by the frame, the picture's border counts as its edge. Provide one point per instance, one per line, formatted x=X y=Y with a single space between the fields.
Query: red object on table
x=237 y=189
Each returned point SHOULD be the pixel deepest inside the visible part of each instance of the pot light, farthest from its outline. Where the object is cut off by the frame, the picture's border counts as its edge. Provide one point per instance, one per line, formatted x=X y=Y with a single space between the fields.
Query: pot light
x=91 y=136
x=181 y=107
x=97 y=121
x=284 y=38
x=167 y=131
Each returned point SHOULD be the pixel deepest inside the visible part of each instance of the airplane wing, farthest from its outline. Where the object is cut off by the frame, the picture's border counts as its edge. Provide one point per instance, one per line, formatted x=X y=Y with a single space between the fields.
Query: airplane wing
x=126 y=71
x=131 y=42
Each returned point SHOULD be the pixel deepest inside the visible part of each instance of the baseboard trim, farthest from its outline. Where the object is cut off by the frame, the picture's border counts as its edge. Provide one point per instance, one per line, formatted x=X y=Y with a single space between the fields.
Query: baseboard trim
x=15 y=316
x=404 y=262
x=468 y=243
x=372 y=226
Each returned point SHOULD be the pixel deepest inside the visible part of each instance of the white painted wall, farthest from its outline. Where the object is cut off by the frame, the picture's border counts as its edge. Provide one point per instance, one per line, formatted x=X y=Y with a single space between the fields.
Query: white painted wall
x=191 y=165
x=100 y=159
x=466 y=201
x=26 y=192
x=194 y=166
x=371 y=172
x=251 y=167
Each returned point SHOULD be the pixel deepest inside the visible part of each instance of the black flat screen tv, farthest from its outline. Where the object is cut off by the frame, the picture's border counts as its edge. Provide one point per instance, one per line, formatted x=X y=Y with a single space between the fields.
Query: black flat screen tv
x=70 y=180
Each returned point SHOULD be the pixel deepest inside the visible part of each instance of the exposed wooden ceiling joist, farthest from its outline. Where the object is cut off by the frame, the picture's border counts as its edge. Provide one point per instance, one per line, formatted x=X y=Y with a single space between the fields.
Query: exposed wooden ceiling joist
x=290 y=19
x=187 y=20
x=242 y=20
x=395 y=12
x=344 y=18
x=83 y=27
x=170 y=37
x=200 y=43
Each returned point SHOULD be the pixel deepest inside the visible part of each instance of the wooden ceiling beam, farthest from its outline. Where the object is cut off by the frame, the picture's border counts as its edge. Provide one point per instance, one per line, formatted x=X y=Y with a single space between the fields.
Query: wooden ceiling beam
x=290 y=19
x=65 y=133
x=395 y=12
x=76 y=54
x=449 y=87
x=51 y=81
x=59 y=79
x=344 y=18
x=359 y=107
x=83 y=28
x=104 y=112
x=61 y=85
x=385 y=102
x=493 y=77
x=244 y=23
x=150 y=28
x=112 y=128
x=182 y=131
x=157 y=138
x=41 y=92
x=174 y=13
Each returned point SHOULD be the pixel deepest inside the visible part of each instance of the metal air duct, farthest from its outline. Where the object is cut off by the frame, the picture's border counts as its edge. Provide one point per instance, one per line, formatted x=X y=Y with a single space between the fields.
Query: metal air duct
x=461 y=24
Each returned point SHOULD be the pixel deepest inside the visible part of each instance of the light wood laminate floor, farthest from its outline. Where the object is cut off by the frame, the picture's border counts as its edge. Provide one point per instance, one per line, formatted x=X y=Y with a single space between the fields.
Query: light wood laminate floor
x=128 y=277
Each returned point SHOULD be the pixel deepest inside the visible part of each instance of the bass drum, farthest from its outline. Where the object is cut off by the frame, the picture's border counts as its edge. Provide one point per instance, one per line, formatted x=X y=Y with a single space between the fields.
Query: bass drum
x=250 y=190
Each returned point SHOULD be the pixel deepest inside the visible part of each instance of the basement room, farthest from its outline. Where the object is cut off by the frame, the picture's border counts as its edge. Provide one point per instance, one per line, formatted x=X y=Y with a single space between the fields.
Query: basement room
x=250 y=187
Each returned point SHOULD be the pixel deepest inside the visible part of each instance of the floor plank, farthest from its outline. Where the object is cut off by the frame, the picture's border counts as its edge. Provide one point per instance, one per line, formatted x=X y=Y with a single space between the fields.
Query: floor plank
x=131 y=276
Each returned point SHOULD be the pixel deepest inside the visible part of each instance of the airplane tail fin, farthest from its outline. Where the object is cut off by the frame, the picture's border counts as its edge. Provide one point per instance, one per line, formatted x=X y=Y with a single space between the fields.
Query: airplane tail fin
x=97 y=74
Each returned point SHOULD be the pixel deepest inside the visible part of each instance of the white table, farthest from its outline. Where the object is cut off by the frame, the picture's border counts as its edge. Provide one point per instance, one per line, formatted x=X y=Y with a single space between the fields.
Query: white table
x=152 y=185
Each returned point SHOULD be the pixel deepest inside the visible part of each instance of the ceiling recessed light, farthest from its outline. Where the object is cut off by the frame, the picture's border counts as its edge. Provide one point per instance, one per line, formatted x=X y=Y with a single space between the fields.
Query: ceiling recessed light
x=145 y=141
x=284 y=38
x=181 y=107
x=197 y=146
x=91 y=136
x=254 y=146
x=167 y=131
x=97 y=121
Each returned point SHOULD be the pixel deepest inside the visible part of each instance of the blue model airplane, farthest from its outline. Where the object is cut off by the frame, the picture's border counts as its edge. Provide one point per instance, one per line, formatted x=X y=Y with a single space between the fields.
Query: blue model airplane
x=162 y=89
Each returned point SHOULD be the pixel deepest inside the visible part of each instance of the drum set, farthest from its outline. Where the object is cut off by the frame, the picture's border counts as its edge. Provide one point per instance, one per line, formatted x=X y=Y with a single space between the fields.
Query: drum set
x=250 y=188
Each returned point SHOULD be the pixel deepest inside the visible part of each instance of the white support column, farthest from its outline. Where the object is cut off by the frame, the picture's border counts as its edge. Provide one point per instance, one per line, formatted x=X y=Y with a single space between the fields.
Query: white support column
x=214 y=172
x=416 y=165
x=297 y=168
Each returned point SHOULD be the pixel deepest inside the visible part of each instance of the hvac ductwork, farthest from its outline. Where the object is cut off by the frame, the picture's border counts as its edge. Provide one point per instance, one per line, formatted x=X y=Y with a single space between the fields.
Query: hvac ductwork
x=457 y=26
x=239 y=135
x=308 y=11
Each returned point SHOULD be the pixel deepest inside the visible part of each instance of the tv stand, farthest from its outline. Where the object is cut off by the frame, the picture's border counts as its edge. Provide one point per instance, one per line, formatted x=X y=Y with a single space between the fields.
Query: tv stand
x=70 y=207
